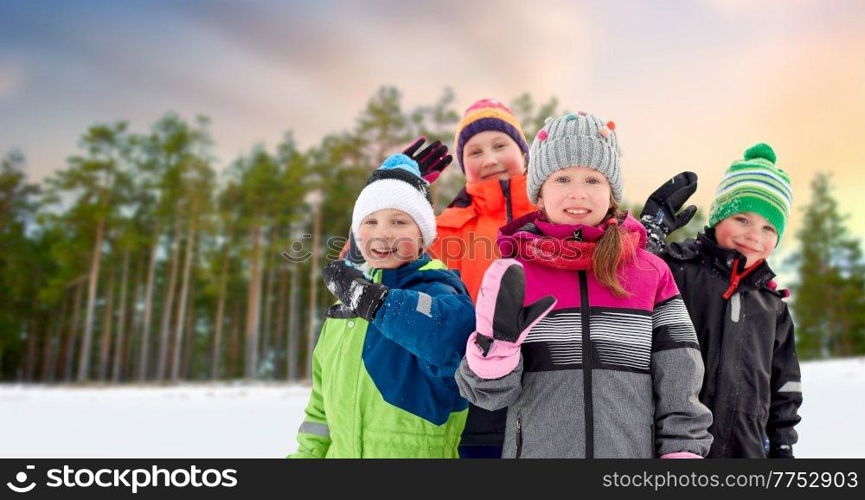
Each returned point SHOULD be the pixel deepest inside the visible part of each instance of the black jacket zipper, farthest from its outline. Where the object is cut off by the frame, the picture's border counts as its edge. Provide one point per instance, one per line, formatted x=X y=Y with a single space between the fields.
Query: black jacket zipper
x=587 y=365
x=519 y=438
x=506 y=191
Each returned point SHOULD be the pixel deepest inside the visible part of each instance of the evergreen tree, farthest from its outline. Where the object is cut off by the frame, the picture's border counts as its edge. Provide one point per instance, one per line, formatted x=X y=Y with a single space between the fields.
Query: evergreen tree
x=98 y=183
x=829 y=297
x=532 y=116
x=18 y=263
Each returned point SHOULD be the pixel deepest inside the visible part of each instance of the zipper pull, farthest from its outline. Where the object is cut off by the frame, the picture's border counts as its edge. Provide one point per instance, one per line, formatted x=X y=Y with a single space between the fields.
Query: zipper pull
x=734 y=280
x=506 y=192
x=736 y=276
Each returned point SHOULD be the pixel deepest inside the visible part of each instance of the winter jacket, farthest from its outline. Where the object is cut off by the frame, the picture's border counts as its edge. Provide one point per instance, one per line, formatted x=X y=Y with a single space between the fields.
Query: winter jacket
x=468 y=229
x=600 y=376
x=466 y=242
x=752 y=382
x=386 y=389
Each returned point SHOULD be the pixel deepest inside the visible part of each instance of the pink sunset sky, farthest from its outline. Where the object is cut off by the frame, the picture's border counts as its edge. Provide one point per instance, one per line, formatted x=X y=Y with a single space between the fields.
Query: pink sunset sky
x=690 y=84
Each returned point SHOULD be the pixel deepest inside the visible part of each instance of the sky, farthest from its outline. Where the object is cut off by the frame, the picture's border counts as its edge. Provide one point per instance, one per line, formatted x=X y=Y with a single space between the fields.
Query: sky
x=690 y=86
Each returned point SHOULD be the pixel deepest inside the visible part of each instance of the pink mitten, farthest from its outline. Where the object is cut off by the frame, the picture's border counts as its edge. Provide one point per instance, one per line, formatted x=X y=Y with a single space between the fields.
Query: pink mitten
x=503 y=322
x=681 y=454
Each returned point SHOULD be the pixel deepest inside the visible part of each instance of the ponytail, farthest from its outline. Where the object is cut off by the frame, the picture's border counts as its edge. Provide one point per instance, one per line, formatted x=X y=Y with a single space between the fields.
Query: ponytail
x=608 y=253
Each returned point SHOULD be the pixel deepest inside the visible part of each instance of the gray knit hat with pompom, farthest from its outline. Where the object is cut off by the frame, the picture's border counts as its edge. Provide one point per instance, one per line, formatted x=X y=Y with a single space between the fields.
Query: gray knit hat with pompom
x=574 y=140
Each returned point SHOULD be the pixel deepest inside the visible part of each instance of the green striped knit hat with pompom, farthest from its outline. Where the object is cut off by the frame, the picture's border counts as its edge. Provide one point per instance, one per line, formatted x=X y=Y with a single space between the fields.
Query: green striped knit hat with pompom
x=754 y=184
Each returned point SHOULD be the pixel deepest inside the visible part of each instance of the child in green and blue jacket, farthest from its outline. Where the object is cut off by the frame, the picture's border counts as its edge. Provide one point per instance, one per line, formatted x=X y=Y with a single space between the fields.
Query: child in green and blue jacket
x=384 y=364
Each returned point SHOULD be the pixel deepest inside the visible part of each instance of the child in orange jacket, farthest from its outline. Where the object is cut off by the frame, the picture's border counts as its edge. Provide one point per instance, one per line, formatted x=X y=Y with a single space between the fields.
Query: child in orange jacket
x=492 y=152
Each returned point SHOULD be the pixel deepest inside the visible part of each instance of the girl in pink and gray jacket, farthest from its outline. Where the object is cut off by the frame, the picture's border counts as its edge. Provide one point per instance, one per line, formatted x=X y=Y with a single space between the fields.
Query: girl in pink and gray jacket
x=581 y=333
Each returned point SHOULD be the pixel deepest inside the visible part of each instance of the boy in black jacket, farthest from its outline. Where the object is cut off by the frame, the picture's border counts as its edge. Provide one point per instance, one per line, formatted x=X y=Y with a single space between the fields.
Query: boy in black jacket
x=752 y=381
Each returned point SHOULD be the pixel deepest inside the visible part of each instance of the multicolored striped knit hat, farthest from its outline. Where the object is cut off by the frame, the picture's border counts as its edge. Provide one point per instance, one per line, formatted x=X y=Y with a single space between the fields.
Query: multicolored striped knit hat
x=754 y=184
x=488 y=114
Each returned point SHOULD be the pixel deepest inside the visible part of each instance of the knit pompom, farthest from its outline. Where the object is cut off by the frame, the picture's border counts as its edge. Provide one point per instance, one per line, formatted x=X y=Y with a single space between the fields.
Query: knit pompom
x=761 y=150
x=401 y=161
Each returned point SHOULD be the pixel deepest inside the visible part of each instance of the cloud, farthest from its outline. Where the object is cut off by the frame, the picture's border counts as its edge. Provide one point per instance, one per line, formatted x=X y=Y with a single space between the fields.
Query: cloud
x=336 y=56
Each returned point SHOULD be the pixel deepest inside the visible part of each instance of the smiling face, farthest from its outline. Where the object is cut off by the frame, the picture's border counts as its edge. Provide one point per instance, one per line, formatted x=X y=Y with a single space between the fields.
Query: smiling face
x=389 y=238
x=575 y=195
x=490 y=155
x=749 y=233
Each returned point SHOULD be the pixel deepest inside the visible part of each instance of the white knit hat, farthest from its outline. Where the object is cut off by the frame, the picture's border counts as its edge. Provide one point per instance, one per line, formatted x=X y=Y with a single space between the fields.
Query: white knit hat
x=397 y=184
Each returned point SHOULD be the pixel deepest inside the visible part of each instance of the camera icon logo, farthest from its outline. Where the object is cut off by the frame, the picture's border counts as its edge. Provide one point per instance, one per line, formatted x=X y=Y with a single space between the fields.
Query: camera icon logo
x=20 y=479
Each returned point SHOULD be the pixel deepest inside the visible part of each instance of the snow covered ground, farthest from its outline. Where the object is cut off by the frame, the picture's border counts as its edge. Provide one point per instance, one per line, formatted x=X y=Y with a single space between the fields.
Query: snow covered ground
x=260 y=420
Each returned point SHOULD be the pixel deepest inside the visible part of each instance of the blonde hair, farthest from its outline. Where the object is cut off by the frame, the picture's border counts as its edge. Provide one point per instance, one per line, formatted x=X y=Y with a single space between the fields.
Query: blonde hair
x=608 y=253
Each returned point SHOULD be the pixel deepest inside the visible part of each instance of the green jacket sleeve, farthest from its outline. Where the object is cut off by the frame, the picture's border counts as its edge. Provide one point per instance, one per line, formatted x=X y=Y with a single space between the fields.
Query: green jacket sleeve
x=313 y=437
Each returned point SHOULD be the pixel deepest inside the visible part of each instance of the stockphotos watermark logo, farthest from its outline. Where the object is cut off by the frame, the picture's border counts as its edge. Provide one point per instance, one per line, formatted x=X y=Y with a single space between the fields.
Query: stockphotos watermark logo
x=21 y=485
x=133 y=479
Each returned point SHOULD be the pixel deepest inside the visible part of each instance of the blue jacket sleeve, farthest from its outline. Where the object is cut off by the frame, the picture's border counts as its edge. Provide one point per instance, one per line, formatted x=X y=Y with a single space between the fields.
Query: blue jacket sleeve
x=433 y=324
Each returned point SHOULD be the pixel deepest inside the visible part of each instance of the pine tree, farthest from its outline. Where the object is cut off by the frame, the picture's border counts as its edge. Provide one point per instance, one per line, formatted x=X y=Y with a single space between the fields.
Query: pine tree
x=20 y=259
x=828 y=297
x=531 y=116
x=98 y=181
